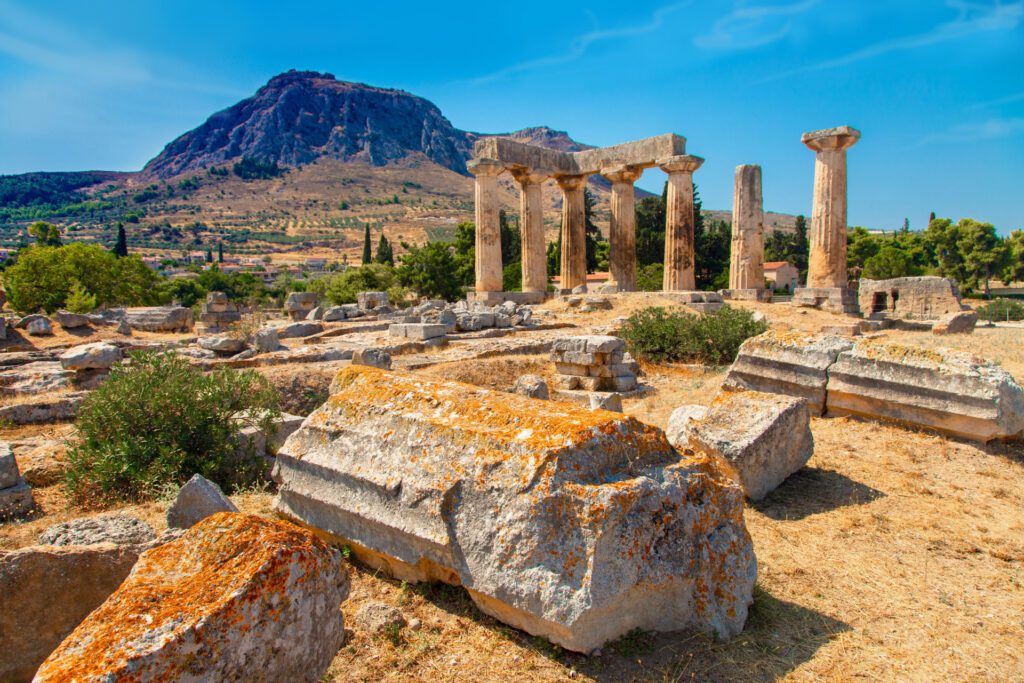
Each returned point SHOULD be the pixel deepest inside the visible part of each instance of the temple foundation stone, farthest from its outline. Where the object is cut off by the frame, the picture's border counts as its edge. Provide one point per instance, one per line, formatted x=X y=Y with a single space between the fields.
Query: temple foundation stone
x=827 y=284
x=679 y=222
x=622 y=232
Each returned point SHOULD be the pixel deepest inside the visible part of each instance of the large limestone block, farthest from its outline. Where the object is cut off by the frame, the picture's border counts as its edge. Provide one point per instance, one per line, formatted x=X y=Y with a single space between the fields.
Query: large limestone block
x=117 y=529
x=787 y=362
x=47 y=591
x=235 y=598
x=950 y=391
x=572 y=524
x=766 y=437
x=962 y=322
x=95 y=356
x=160 y=318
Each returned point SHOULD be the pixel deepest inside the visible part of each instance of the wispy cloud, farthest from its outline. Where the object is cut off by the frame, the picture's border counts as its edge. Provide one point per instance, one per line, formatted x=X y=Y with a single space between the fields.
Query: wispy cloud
x=998 y=102
x=749 y=26
x=980 y=131
x=578 y=46
x=972 y=18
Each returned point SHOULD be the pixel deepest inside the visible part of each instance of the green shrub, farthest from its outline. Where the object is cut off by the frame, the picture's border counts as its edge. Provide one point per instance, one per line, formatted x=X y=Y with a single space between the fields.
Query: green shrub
x=79 y=299
x=343 y=287
x=1001 y=309
x=660 y=335
x=158 y=420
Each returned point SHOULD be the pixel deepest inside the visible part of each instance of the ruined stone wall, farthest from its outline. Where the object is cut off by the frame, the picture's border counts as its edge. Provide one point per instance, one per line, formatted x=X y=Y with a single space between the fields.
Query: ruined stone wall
x=915 y=298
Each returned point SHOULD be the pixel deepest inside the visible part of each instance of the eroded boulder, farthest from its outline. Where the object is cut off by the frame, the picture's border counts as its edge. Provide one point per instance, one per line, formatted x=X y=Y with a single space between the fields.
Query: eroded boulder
x=198 y=499
x=300 y=329
x=237 y=597
x=375 y=358
x=962 y=322
x=533 y=386
x=572 y=524
x=766 y=437
x=71 y=321
x=95 y=356
x=160 y=318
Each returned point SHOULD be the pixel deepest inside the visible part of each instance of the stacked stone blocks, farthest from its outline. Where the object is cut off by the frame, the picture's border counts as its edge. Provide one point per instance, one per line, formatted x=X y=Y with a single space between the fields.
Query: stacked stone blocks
x=593 y=363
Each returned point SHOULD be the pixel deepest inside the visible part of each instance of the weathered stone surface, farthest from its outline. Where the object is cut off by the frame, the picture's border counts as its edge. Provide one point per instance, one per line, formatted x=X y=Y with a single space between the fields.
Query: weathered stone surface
x=949 y=391
x=785 y=362
x=299 y=304
x=375 y=358
x=35 y=378
x=95 y=356
x=9 y=475
x=266 y=340
x=680 y=420
x=24 y=322
x=376 y=617
x=612 y=402
x=47 y=591
x=40 y=327
x=117 y=529
x=160 y=319
x=16 y=501
x=367 y=301
x=533 y=386
x=417 y=330
x=236 y=598
x=315 y=313
x=198 y=499
x=71 y=321
x=124 y=328
x=43 y=411
x=956 y=323
x=300 y=329
x=572 y=524
x=913 y=298
x=766 y=437
x=334 y=314
x=222 y=343
x=254 y=442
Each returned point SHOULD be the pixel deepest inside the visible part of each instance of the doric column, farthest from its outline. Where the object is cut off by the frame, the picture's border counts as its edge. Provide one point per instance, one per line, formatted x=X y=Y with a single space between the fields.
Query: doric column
x=679 y=222
x=531 y=222
x=746 y=255
x=488 y=229
x=827 y=262
x=622 y=235
x=574 y=231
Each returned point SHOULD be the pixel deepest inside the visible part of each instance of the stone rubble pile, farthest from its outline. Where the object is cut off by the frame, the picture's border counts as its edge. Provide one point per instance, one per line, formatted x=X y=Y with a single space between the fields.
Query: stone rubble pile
x=593 y=363
x=15 y=494
x=218 y=314
x=573 y=524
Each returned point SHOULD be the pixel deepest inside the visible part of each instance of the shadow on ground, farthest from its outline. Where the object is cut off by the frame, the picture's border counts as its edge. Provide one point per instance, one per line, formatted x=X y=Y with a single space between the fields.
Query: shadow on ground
x=811 y=491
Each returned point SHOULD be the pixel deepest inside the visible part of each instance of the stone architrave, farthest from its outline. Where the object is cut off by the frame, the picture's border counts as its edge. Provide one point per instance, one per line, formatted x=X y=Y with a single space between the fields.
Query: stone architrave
x=488 y=229
x=531 y=220
x=827 y=262
x=574 y=231
x=746 y=257
x=622 y=234
x=679 y=222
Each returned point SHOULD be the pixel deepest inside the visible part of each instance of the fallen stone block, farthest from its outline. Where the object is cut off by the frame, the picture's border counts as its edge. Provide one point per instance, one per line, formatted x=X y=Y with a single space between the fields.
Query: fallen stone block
x=679 y=422
x=601 y=401
x=117 y=529
x=39 y=328
x=9 y=474
x=847 y=330
x=236 y=598
x=24 y=322
x=198 y=499
x=222 y=344
x=949 y=391
x=298 y=304
x=375 y=358
x=533 y=386
x=956 y=323
x=300 y=329
x=266 y=340
x=785 y=362
x=368 y=301
x=572 y=524
x=43 y=465
x=160 y=319
x=48 y=591
x=43 y=411
x=766 y=437
x=71 y=321
x=334 y=314
x=16 y=501
x=96 y=356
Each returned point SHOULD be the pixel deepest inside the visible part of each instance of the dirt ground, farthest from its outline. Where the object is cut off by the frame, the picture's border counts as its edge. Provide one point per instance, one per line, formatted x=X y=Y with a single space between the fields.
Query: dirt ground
x=894 y=555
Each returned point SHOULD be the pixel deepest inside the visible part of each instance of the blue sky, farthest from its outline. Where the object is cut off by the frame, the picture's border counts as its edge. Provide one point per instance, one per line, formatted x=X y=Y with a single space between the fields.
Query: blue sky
x=936 y=87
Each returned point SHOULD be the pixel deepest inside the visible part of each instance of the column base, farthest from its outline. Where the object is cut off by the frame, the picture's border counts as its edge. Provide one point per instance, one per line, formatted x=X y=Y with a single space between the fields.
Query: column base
x=762 y=295
x=842 y=300
x=495 y=298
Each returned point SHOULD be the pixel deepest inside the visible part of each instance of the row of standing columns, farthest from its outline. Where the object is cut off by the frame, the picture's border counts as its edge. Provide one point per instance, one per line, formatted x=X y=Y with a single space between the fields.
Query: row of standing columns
x=679 y=226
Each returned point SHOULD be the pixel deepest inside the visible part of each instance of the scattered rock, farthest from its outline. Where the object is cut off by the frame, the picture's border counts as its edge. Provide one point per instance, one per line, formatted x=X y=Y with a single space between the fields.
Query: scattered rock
x=300 y=329
x=236 y=598
x=369 y=301
x=618 y=516
x=15 y=495
x=124 y=328
x=533 y=386
x=160 y=318
x=956 y=323
x=71 y=321
x=198 y=499
x=679 y=422
x=579 y=289
x=599 y=303
x=116 y=529
x=9 y=475
x=222 y=344
x=600 y=401
x=375 y=358
x=95 y=356
x=334 y=314
x=47 y=592
x=39 y=328
x=299 y=304
x=315 y=313
x=766 y=437
x=43 y=465
x=376 y=617
x=23 y=323
x=266 y=340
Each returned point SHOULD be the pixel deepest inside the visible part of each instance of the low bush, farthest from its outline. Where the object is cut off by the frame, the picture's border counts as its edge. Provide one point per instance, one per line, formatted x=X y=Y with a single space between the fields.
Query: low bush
x=1001 y=309
x=157 y=421
x=660 y=335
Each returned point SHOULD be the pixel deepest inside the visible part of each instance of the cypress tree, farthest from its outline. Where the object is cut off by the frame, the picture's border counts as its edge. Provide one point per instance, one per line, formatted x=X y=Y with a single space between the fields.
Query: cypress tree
x=209 y=256
x=367 y=255
x=385 y=254
x=220 y=252
x=121 y=246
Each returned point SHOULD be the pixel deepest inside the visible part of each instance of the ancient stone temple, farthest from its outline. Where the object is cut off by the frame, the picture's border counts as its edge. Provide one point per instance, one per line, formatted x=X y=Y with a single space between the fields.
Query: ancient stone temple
x=746 y=260
x=621 y=165
x=827 y=285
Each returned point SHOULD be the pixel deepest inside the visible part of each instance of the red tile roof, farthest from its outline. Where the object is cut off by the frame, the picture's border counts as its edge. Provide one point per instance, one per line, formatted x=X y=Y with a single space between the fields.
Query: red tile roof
x=775 y=265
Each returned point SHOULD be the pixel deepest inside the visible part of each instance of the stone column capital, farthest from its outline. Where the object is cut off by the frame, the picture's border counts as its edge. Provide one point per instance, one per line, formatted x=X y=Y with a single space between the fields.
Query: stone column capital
x=838 y=139
x=682 y=163
x=484 y=167
x=622 y=173
x=571 y=182
x=527 y=176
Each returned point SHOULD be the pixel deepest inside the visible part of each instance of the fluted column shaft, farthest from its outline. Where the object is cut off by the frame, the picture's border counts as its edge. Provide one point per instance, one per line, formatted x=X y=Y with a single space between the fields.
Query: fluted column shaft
x=622 y=232
x=746 y=254
x=679 y=222
x=827 y=260
x=487 y=262
x=531 y=220
x=574 y=231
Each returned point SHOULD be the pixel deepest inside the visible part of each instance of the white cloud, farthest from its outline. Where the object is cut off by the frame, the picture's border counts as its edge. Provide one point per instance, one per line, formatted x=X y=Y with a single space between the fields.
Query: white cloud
x=579 y=45
x=971 y=18
x=749 y=26
x=990 y=129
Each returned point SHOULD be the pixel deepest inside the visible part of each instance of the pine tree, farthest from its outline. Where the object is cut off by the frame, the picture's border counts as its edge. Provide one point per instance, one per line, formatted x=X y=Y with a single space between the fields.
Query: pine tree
x=385 y=254
x=906 y=225
x=367 y=253
x=121 y=246
x=79 y=300
x=220 y=252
